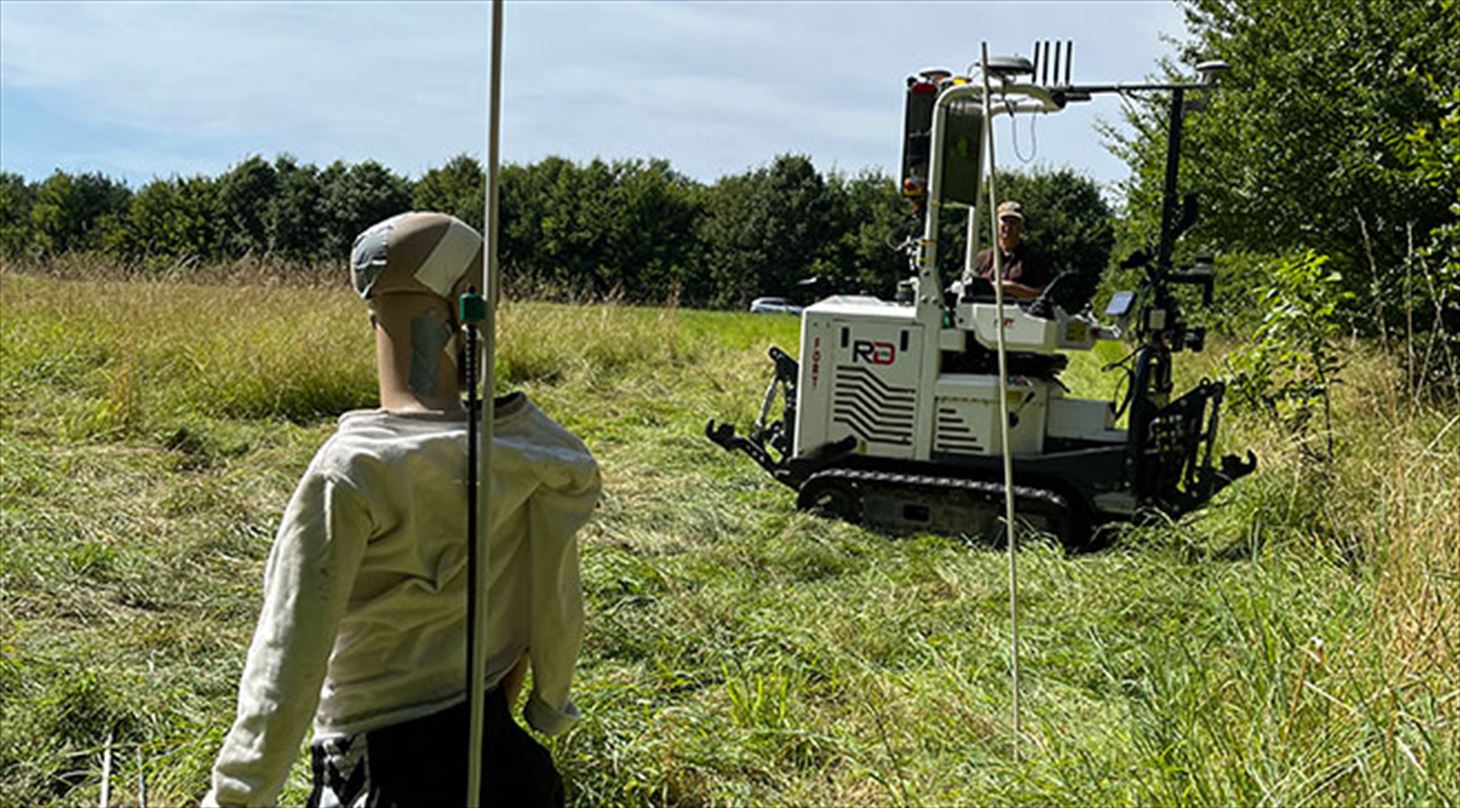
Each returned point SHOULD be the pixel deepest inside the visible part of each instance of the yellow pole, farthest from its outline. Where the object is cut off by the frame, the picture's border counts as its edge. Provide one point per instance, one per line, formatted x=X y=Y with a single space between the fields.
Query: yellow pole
x=476 y=666
x=998 y=280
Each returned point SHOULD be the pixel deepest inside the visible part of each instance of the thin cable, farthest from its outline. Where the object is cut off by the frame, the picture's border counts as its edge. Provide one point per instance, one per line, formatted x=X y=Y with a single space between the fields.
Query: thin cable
x=1014 y=133
x=474 y=692
x=1003 y=406
x=1128 y=385
x=1130 y=103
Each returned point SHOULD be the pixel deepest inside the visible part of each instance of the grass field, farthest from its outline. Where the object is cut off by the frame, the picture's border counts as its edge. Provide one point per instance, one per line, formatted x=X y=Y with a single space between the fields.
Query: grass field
x=1299 y=642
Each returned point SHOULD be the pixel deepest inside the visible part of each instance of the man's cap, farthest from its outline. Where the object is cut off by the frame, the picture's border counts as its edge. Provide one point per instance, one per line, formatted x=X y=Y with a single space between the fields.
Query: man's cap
x=416 y=252
x=1011 y=209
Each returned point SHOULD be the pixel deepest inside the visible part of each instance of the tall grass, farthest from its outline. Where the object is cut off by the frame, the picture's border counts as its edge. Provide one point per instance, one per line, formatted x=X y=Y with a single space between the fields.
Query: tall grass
x=1294 y=643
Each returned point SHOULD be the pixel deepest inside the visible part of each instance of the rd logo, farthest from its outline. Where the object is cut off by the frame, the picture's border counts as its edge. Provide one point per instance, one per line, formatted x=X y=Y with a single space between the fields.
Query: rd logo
x=876 y=353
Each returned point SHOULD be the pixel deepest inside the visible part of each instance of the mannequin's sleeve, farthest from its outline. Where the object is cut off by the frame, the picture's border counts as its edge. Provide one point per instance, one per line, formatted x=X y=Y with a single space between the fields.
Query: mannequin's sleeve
x=307 y=584
x=556 y=512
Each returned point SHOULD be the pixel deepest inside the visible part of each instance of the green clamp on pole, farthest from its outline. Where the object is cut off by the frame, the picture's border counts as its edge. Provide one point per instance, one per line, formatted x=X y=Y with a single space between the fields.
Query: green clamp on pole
x=472 y=308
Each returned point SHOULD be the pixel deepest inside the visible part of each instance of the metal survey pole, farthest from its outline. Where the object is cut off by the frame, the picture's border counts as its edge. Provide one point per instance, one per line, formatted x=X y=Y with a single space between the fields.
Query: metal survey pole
x=476 y=663
x=1003 y=398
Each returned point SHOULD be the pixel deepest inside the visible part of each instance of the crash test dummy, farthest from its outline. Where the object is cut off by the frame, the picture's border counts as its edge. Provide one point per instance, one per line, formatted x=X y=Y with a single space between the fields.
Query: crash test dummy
x=362 y=630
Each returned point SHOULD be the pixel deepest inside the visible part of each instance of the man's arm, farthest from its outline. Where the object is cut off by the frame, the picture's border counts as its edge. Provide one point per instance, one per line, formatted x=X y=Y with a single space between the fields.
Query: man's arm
x=1021 y=291
x=307 y=584
x=983 y=266
x=1033 y=276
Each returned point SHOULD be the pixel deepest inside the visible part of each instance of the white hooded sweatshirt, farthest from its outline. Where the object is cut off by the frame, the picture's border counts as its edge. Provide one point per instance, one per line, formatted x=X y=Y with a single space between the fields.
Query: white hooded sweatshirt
x=364 y=616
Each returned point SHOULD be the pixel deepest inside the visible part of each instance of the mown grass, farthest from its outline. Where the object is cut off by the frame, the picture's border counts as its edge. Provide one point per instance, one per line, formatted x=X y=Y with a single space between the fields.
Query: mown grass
x=1296 y=643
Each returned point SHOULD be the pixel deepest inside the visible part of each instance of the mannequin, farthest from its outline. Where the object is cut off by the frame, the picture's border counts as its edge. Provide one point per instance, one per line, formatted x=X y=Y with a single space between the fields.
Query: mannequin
x=362 y=631
x=411 y=270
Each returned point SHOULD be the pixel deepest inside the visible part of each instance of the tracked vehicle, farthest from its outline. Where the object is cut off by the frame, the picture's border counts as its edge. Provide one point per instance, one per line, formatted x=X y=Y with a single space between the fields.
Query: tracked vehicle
x=891 y=416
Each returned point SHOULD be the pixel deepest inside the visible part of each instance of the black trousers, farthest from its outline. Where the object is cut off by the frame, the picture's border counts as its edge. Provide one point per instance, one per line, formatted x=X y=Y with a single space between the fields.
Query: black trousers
x=422 y=762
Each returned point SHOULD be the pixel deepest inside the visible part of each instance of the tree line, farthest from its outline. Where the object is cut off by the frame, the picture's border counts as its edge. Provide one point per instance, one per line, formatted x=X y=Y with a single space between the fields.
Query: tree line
x=1336 y=134
x=632 y=229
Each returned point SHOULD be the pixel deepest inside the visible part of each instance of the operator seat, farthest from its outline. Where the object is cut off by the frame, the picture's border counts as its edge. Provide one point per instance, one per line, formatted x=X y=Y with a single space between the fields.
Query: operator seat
x=979 y=360
x=1069 y=291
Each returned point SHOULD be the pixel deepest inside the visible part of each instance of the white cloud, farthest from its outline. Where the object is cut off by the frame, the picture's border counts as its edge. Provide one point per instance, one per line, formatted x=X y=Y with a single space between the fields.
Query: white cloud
x=323 y=78
x=715 y=88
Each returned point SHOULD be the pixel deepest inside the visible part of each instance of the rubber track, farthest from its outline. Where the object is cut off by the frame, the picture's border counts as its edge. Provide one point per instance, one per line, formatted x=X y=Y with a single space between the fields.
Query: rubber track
x=991 y=491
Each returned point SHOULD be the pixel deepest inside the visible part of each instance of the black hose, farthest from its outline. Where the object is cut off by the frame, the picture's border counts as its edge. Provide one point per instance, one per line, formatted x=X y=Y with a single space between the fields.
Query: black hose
x=473 y=407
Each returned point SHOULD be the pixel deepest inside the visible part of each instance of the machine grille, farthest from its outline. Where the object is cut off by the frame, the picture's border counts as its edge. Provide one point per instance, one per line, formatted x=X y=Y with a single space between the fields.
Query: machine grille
x=953 y=434
x=873 y=410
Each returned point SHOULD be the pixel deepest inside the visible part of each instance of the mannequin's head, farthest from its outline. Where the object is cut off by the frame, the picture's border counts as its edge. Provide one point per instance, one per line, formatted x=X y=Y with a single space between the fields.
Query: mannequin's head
x=410 y=270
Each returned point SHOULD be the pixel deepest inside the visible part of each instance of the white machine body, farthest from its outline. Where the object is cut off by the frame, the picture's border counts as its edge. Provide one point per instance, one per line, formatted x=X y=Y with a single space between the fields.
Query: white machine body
x=897 y=416
x=862 y=368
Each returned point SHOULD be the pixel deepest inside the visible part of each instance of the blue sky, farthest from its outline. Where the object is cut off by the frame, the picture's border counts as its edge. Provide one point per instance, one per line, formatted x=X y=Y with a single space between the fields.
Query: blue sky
x=138 y=90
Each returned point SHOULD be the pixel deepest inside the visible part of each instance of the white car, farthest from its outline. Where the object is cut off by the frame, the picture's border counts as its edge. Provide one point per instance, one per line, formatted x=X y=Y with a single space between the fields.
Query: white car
x=773 y=305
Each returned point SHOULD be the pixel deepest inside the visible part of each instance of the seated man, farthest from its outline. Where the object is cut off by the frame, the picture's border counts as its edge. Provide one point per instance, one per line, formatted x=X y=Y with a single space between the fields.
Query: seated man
x=362 y=631
x=1025 y=270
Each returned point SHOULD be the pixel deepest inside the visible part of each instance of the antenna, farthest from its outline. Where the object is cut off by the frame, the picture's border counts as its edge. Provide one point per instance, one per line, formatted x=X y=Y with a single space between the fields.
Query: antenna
x=1005 y=68
x=1049 y=56
x=1211 y=70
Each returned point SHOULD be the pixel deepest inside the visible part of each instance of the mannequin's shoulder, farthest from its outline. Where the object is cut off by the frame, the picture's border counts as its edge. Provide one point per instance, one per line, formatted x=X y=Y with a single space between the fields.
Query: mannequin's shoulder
x=527 y=420
x=367 y=442
x=531 y=438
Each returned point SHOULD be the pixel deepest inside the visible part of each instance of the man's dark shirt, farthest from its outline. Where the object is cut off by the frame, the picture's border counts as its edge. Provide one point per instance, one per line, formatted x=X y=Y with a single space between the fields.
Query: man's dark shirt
x=1024 y=265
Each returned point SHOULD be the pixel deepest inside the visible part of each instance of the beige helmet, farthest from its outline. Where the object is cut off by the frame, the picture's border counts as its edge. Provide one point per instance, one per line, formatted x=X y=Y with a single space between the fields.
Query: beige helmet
x=417 y=252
